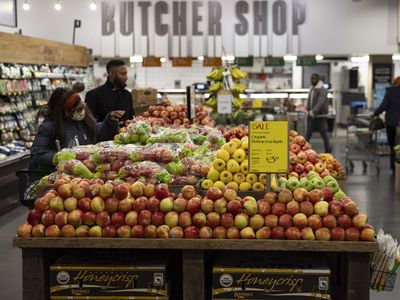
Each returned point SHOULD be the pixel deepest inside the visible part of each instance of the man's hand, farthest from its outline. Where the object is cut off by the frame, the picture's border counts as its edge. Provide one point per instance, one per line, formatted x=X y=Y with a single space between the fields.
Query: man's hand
x=116 y=115
x=311 y=114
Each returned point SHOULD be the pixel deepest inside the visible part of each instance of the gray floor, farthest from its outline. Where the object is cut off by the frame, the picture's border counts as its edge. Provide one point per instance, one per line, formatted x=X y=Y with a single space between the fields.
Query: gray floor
x=374 y=194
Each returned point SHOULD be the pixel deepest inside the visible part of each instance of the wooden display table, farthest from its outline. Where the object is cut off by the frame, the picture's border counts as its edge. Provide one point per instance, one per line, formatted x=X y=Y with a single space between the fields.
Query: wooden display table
x=348 y=261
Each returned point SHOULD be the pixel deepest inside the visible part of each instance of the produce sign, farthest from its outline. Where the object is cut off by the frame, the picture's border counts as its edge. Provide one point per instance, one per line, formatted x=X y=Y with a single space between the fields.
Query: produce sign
x=268 y=147
x=106 y=278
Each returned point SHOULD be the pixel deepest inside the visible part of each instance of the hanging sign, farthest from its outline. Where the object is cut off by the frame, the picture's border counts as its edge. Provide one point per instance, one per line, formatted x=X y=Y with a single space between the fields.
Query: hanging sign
x=181 y=61
x=151 y=61
x=212 y=62
x=224 y=102
x=268 y=147
x=271 y=61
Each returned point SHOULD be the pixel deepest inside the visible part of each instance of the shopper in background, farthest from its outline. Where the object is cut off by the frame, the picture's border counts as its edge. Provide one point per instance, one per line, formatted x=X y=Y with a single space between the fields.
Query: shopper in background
x=391 y=105
x=112 y=95
x=68 y=122
x=317 y=110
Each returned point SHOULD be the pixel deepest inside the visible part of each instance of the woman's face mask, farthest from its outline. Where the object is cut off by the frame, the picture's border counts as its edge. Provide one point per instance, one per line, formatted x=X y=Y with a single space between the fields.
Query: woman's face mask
x=78 y=115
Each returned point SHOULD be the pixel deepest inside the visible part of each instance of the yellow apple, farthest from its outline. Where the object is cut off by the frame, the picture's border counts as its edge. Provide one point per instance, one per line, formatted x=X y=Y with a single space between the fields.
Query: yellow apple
x=233 y=185
x=262 y=178
x=219 y=164
x=206 y=184
x=239 y=155
x=244 y=167
x=258 y=186
x=213 y=174
x=251 y=178
x=226 y=177
x=219 y=184
x=244 y=186
x=245 y=143
x=239 y=178
x=230 y=147
x=232 y=166
x=237 y=142
x=223 y=154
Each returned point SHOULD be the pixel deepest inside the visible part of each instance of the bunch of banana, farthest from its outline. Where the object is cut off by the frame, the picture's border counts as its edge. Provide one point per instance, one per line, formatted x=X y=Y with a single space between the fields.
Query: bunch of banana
x=215 y=87
x=238 y=88
x=237 y=73
x=211 y=102
x=237 y=102
x=216 y=74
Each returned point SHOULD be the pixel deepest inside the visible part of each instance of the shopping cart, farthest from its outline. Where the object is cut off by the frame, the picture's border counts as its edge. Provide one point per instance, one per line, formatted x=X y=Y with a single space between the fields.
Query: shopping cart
x=27 y=181
x=363 y=143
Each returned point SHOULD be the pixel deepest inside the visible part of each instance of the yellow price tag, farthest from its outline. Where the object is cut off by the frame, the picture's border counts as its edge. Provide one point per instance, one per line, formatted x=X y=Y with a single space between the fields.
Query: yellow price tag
x=268 y=147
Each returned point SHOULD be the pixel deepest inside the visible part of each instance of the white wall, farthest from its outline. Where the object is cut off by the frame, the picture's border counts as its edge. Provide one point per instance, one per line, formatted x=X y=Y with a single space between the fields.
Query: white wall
x=331 y=27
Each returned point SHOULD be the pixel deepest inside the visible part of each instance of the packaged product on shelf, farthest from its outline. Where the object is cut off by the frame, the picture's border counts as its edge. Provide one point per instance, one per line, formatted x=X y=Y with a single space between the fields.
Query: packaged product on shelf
x=74 y=167
x=170 y=135
x=147 y=171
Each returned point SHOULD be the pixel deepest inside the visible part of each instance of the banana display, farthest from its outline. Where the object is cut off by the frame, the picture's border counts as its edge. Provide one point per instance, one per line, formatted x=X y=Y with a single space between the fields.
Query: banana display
x=237 y=74
x=216 y=74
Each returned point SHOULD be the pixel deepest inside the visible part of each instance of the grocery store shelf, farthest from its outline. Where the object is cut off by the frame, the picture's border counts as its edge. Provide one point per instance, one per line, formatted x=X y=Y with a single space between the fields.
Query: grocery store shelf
x=14 y=163
x=196 y=244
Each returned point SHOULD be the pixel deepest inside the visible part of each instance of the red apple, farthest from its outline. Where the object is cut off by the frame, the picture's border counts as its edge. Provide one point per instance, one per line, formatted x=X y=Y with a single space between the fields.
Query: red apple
x=352 y=234
x=48 y=217
x=162 y=191
x=34 y=217
x=25 y=230
x=285 y=221
x=360 y=220
x=214 y=193
x=38 y=230
x=157 y=218
x=213 y=219
x=278 y=209
x=52 y=231
x=184 y=219
x=61 y=219
x=300 y=220
x=188 y=192
x=234 y=207
x=110 y=231
x=315 y=196
x=263 y=233
x=137 y=204
x=144 y=218
x=337 y=234
x=176 y=232
x=65 y=190
x=207 y=205
x=180 y=204
x=219 y=232
x=111 y=205
x=264 y=207
x=323 y=234
x=233 y=233
x=293 y=233
x=150 y=231
x=329 y=221
x=344 y=221
x=278 y=233
x=192 y=232
x=314 y=221
x=307 y=208
x=300 y=194
x=199 y=219
x=227 y=220
x=367 y=234
x=153 y=204
x=205 y=232
x=328 y=194
x=271 y=221
x=350 y=209
x=137 y=231
x=230 y=195
x=194 y=205
x=89 y=218
x=117 y=219
x=335 y=208
x=84 y=204
x=293 y=207
x=285 y=196
x=121 y=191
x=42 y=204
x=82 y=231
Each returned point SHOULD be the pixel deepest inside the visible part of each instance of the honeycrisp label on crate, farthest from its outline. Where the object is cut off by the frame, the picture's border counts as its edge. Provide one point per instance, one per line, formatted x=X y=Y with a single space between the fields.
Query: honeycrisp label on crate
x=268 y=147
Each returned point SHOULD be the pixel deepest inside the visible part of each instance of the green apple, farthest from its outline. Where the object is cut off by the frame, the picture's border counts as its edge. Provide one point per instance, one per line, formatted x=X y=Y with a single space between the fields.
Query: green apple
x=303 y=179
x=282 y=180
x=333 y=185
x=318 y=184
x=307 y=185
x=339 y=195
x=312 y=174
x=329 y=178
x=292 y=185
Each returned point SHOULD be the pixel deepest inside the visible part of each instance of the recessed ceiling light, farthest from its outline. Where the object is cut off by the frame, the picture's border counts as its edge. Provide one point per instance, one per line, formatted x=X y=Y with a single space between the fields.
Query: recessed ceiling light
x=201 y=57
x=58 y=6
x=93 y=5
x=290 y=57
x=26 y=5
x=319 y=57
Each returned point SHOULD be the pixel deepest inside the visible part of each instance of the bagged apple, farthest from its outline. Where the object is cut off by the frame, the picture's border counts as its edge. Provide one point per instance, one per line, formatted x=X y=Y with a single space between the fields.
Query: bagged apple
x=74 y=167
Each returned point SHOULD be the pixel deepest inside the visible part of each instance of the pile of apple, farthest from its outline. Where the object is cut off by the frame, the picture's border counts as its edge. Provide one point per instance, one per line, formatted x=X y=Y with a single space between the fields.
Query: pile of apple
x=168 y=114
x=230 y=168
x=238 y=132
x=91 y=208
x=303 y=159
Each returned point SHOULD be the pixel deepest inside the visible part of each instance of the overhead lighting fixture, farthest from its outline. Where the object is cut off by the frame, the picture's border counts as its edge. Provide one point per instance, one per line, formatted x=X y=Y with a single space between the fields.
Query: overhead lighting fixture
x=200 y=58
x=58 y=6
x=318 y=57
x=290 y=57
x=298 y=96
x=242 y=96
x=269 y=96
x=26 y=5
x=163 y=59
x=136 y=58
x=396 y=56
x=228 y=57
x=364 y=58
x=93 y=5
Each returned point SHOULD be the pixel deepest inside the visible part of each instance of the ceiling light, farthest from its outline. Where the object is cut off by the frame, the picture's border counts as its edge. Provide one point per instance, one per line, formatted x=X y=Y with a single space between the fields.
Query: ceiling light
x=319 y=57
x=364 y=58
x=290 y=57
x=58 y=6
x=26 y=5
x=162 y=59
x=93 y=5
x=270 y=96
x=396 y=56
x=201 y=57
x=136 y=58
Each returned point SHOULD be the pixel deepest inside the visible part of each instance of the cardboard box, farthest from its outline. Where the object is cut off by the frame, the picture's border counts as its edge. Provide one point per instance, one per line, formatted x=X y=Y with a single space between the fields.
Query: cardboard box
x=144 y=97
x=107 y=278
x=273 y=280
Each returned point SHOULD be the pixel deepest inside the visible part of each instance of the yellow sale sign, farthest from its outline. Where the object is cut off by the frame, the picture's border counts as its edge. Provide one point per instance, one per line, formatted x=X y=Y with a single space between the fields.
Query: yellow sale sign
x=268 y=147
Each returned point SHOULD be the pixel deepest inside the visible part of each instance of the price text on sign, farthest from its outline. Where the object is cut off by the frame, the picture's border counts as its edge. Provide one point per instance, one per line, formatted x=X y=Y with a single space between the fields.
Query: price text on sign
x=268 y=147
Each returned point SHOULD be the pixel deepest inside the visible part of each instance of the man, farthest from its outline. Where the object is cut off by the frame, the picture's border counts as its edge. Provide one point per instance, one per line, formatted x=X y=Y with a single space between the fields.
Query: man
x=317 y=109
x=112 y=95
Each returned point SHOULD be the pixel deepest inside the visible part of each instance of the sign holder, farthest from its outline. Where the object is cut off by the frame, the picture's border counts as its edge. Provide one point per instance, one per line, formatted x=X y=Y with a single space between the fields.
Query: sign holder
x=191 y=101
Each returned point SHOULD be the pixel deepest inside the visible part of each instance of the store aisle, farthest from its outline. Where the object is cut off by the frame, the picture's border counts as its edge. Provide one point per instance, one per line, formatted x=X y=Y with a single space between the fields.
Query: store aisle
x=373 y=193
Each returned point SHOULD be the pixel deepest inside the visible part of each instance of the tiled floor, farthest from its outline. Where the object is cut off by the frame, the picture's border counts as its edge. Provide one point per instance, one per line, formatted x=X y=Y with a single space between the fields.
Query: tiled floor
x=374 y=194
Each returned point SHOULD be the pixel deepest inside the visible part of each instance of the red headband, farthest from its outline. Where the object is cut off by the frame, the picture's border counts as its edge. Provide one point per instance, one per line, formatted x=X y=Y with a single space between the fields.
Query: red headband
x=71 y=101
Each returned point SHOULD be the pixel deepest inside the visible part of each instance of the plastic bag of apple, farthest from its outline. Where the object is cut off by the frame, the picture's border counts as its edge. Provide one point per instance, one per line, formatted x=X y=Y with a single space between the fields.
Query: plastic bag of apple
x=91 y=208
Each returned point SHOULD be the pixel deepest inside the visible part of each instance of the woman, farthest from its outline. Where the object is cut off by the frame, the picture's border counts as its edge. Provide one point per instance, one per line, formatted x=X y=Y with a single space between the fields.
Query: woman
x=391 y=105
x=68 y=122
